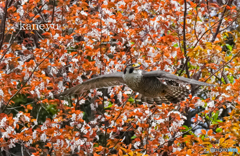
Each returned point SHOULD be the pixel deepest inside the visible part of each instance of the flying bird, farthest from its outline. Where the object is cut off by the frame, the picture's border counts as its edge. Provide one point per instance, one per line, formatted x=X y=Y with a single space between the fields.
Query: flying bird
x=149 y=85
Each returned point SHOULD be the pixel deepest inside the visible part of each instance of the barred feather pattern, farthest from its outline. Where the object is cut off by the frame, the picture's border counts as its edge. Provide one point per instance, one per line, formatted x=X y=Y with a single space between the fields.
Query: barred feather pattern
x=152 y=90
x=175 y=94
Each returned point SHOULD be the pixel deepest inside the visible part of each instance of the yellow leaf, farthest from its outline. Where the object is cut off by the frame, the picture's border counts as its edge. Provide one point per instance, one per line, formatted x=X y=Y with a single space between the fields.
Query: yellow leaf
x=139 y=154
x=221 y=141
x=227 y=58
x=130 y=153
x=209 y=45
x=208 y=143
x=125 y=150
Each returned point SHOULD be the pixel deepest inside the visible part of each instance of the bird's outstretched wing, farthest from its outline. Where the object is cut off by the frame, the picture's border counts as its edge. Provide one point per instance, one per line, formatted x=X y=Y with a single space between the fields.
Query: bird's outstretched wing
x=97 y=82
x=165 y=75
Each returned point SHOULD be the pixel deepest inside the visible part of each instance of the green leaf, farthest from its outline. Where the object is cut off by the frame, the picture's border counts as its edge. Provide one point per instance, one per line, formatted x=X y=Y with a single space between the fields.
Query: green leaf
x=109 y=105
x=131 y=100
x=219 y=130
x=186 y=128
x=133 y=137
x=230 y=78
x=96 y=145
x=202 y=136
x=229 y=47
x=215 y=115
x=214 y=122
x=207 y=117
x=175 y=45
x=52 y=109
x=191 y=132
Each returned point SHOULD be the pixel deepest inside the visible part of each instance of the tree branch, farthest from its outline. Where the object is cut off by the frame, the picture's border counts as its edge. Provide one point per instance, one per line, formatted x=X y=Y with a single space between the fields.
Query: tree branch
x=53 y=11
x=25 y=82
x=219 y=25
x=3 y=24
x=184 y=37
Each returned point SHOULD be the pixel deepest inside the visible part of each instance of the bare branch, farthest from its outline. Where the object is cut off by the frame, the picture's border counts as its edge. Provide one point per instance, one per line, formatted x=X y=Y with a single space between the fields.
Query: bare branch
x=53 y=11
x=3 y=24
x=184 y=37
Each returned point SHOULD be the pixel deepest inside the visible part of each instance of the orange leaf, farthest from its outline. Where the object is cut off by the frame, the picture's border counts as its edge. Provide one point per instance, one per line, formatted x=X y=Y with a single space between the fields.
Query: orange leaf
x=210 y=132
x=48 y=144
x=120 y=152
x=29 y=107
x=46 y=34
x=37 y=16
x=203 y=131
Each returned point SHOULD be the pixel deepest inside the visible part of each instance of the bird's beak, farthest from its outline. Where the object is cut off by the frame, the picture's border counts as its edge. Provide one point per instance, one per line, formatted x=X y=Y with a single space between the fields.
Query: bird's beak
x=137 y=65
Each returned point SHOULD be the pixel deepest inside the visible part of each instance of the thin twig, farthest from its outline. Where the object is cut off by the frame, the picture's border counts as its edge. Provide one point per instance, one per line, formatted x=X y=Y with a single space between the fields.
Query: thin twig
x=4 y=53
x=22 y=149
x=228 y=25
x=184 y=28
x=26 y=81
x=184 y=37
x=209 y=14
x=223 y=66
x=205 y=33
x=53 y=11
x=160 y=146
x=122 y=108
x=62 y=21
x=3 y=24
x=127 y=131
x=219 y=25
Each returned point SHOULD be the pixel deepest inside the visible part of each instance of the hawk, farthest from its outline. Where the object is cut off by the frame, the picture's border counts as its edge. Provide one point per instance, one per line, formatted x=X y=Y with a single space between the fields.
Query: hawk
x=149 y=85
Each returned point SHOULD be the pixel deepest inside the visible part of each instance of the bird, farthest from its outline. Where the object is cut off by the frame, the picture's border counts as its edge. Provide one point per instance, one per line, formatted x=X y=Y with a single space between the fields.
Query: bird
x=149 y=84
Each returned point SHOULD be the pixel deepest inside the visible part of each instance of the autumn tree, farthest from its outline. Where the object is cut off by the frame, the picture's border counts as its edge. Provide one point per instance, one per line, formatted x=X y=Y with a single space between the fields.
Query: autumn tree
x=47 y=47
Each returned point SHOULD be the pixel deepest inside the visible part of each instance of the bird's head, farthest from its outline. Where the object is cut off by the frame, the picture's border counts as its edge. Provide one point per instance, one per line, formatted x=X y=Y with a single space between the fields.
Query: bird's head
x=132 y=68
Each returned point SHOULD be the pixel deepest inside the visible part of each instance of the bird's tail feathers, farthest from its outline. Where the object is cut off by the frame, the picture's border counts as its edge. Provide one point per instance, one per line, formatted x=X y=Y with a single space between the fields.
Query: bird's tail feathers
x=149 y=100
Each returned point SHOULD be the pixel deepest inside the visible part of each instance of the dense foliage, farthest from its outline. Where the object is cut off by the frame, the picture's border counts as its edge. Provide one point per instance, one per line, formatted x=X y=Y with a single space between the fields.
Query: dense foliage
x=47 y=47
